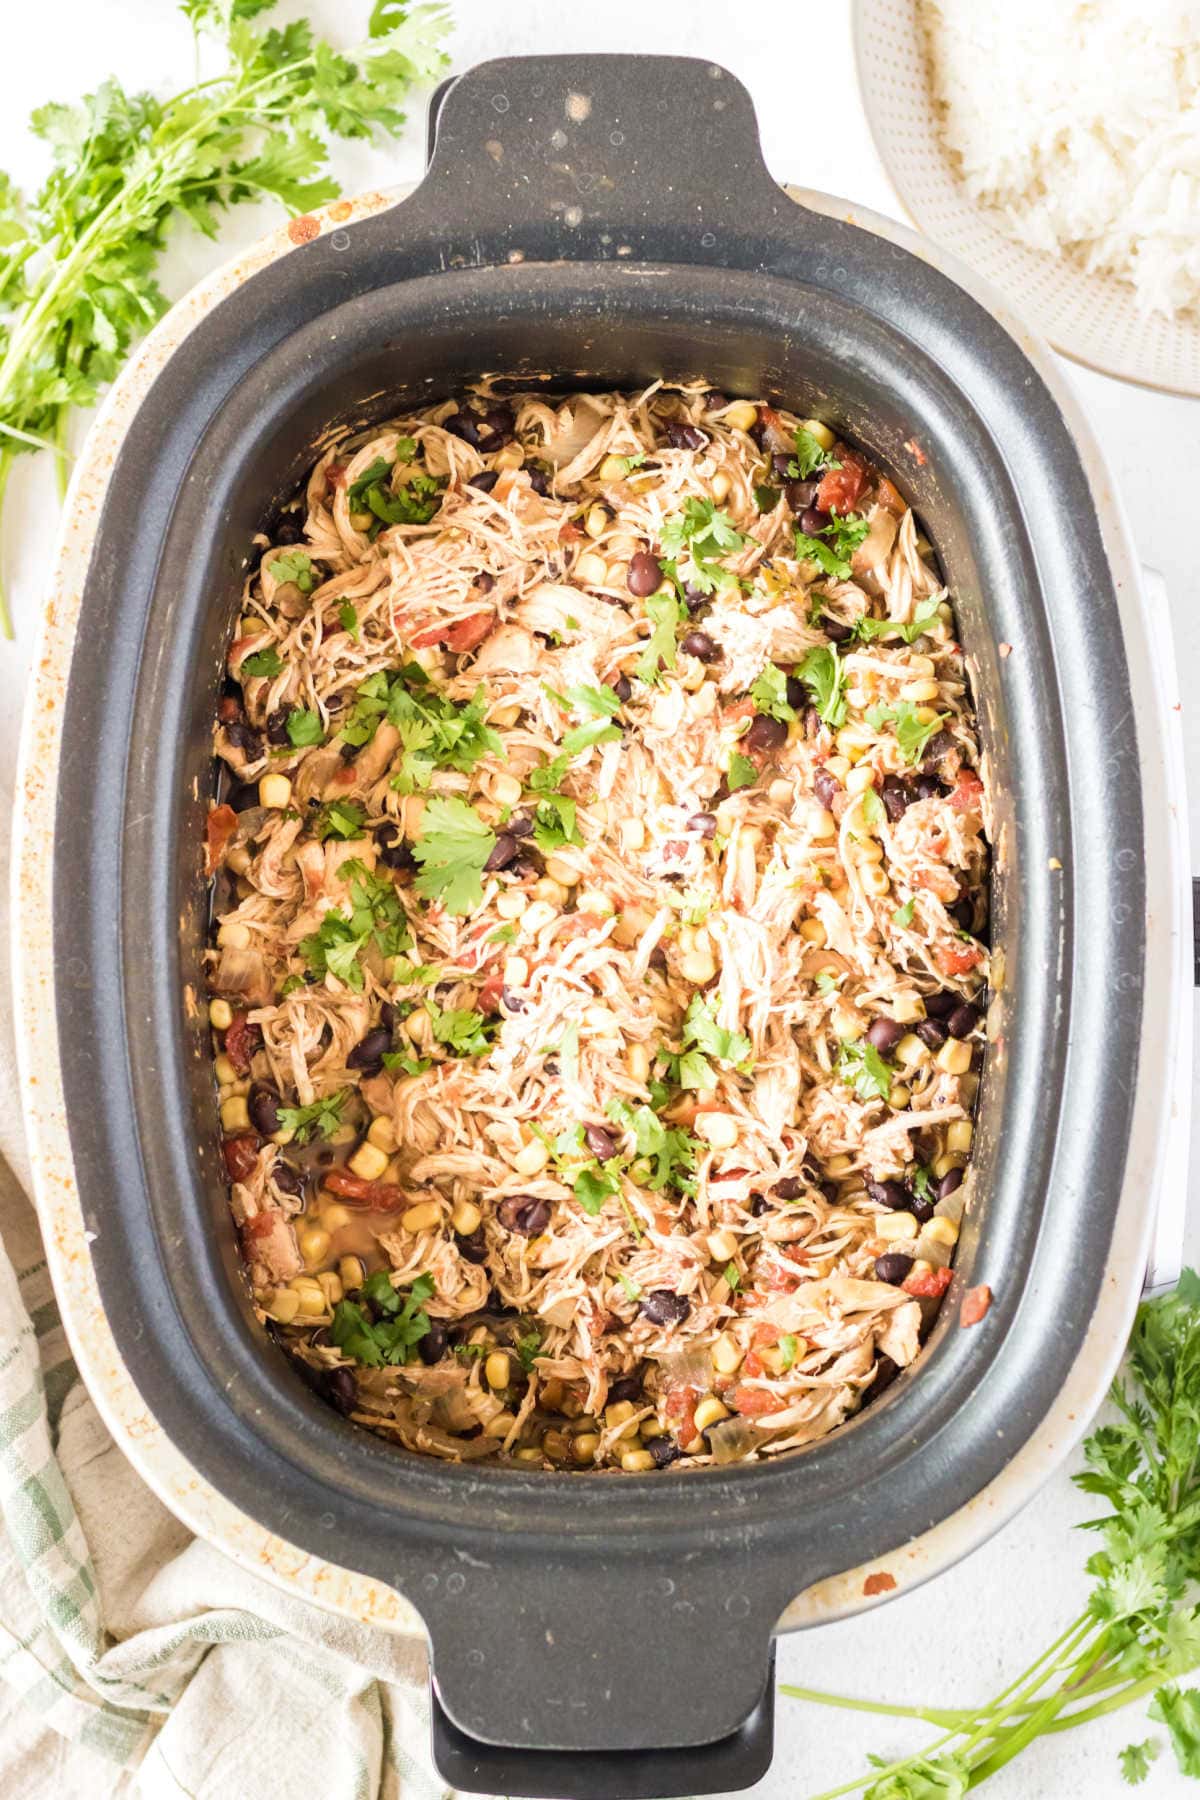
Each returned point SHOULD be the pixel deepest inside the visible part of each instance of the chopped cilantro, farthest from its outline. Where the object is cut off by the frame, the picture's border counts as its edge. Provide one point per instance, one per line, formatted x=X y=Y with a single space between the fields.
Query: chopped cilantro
x=832 y=548
x=600 y=702
x=546 y=779
x=702 y=534
x=824 y=676
x=769 y=694
x=903 y=915
x=452 y=850
x=871 y=807
x=632 y=1290
x=787 y=1348
x=731 y=1277
x=503 y=934
x=1135 y=1760
x=627 y=463
x=462 y=1032
x=595 y=1184
x=435 y=731
x=396 y=1061
x=742 y=772
x=304 y=728
x=826 y=983
x=926 y=614
x=810 y=456
x=348 y=619
x=582 y=737
x=341 y=819
x=554 y=823
x=411 y=504
x=766 y=498
x=294 y=566
x=322 y=1117
x=862 y=1068
x=262 y=662
x=392 y=1335
x=921 y=1182
x=333 y=949
x=666 y=614
x=528 y=1348
x=701 y=1029
x=673 y=1152
x=912 y=733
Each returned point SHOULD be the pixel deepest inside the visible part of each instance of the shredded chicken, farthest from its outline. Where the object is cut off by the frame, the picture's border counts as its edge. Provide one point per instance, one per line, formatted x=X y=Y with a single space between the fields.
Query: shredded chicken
x=598 y=972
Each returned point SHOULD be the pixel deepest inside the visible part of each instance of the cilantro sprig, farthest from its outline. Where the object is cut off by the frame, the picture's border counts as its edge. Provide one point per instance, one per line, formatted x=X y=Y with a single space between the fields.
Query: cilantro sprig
x=436 y=732
x=453 y=847
x=832 y=547
x=704 y=1038
x=810 y=456
x=701 y=536
x=321 y=1118
x=862 y=1068
x=912 y=732
x=391 y=1330
x=1139 y=1633
x=866 y=629
x=824 y=675
x=769 y=694
x=78 y=274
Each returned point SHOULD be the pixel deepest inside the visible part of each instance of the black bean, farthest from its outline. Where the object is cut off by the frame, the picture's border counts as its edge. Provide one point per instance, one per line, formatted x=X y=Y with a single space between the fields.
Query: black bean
x=893 y=1267
x=500 y=421
x=800 y=495
x=394 y=853
x=891 y=1194
x=387 y=1016
x=485 y=582
x=797 y=693
x=245 y=738
x=512 y=1002
x=940 y=1006
x=342 y=1389
x=368 y=1053
x=348 y=752
x=700 y=645
x=433 y=1346
x=781 y=462
x=929 y=788
x=263 y=1107
x=626 y=1387
x=790 y=1188
x=714 y=401
x=766 y=733
x=826 y=787
x=287 y=1179
x=277 y=732
x=694 y=598
x=886 y=1372
x=664 y=1450
x=932 y=1032
x=963 y=912
x=704 y=823
x=622 y=687
x=813 y=521
x=921 y=1210
x=503 y=851
x=334 y=702
x=937 y=747
x=758 y=1205
x=539 y=481
x=600 y=1141
x=962 y=1021
x=485 y=481
x=287 y=532
x=645 y=574
x=686 y=437
x=523 y=1214
x=526 y=867
x=835 y=630
x=464 y=425
x=885 y=1034
x=662 y=1307
x=950 y=1183
x=895 y=796
x=242 y=796
x=658 y=959
x=473 y=1249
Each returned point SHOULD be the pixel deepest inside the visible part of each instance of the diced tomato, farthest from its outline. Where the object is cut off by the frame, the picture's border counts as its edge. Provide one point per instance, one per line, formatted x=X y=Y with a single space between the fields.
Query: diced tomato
x=927 y=1284
x=752 y=1402
x=965 y=797
x=776 y=436
x=840 y=488
x=752 y=1363
x=578 y=924
x=219 y=827
x=229 y=709
x=782 y=1280
x=975 y=1303
x=890 y=497
x=956 y=959
x=490 y=992
x=380 y=1196
x=569 y=533
x=241 y=1041
x=463 y=635
x=680 y=1408
x=241 y=1155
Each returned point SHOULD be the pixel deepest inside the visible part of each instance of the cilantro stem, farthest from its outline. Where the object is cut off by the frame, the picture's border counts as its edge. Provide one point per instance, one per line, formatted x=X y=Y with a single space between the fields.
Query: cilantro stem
x=948 y=1719
x=6 y=624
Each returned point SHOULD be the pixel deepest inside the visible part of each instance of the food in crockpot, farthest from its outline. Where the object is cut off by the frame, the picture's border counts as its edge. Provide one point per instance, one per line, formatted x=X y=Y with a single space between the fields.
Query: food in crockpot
x=597 y=979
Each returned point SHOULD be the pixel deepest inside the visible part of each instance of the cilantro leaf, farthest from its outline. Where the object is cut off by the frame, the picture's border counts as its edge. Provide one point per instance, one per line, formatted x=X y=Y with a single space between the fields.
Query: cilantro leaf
x=341 y=819
x=548 y=777
x=862 y=1068
x=925 y=615
x=304 y=728
x=827 y=983
x=666 y=614
x=903 y=915
x=672 y=1151
x=1135 y=1760
x=824 y=675
x=265 y=663
x=628 y=463
x=1179 y=1710
x=294 y=566
x=321 y=1117
x=702 y=534
x=463 y=1032
x=528 y=1348
x=356 y=493
x=833 y=547
x=554 y=823
x=582 y=737
x=769 y=694
x=787 y=1348
x=453 y=847
x=392 y=1335
x=766 y=498
x=412 y=503
x=334 y=949
x=599 y=701
x=810 y=456
x=348 y=619
x=594 y=1185
x=742 y=772
x=912 y=733
x=701 y=1028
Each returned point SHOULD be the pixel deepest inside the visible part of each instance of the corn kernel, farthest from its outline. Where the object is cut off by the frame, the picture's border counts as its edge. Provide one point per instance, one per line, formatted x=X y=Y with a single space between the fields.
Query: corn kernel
x=874 y=879
x=821 y=432
x=540 y=914
x=719 y=1129
x=839 y=1165
x=551 y=893
x=847 y=1022
x=497 y=1371
x=632 y=834
x=942 y=1165
x=505 y=716
x=312 y=1302
x=501 y=1425
x=511 y=903
x=721 y=485
x=617 y=1417
x=335 y=1216
x=352 y=1271
x=233 y=935
x=726 y=1354
x=722 y=1245
x=637 y=1062
x=813 y=932
x=331 y=1287
x=596 y=521
x=466 y=1218
x=959 y=1133
x=895 y=1227
x=224 y=1071
x=285 y=1304
x=369 y=1161
x=907 y=1009
x=220 y=1015
x=824 y=827
x=941 y=1230
x=954 y=1057
x=531 y=1157
x=860 y=779
x=382 y=1133
x=590 y=570
x=422 y=1217
x=920 y=690
x=510 y=457
x=314 y=1244
x=899 y=1096
x=516 y=971
x=591 y=900
x=636 y=1462
x=697 y=967
x=504 y=789
x=710 y=1411
x=613 y=468
x=275 y=791
x=740 y=416
x=910 y=1052
x=235 y=1115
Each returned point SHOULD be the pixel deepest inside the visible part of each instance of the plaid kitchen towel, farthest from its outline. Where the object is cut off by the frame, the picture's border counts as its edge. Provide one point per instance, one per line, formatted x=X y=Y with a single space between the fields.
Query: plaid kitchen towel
x=135 y=1659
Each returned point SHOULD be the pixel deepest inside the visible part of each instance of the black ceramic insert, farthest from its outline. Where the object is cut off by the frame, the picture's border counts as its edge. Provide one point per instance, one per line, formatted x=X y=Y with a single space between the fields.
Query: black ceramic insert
x=599 y=221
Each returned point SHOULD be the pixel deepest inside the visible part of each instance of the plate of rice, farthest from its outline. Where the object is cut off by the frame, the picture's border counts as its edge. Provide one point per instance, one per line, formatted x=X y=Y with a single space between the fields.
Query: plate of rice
x=1055 y=146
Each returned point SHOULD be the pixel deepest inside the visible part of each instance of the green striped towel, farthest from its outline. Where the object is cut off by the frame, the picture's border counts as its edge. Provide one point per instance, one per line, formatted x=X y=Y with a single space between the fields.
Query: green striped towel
x=135 y=1659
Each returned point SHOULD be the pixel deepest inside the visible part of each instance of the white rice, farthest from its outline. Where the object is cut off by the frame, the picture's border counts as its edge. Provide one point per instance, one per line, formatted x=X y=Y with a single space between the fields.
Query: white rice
x=1078 y=122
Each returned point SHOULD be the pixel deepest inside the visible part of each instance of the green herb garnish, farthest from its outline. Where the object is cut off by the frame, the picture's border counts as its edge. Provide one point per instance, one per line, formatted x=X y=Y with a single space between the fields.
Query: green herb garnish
x=321 y=1118
x=741 y=773
x=903 y=915
x=462 y=1032
x=862 y=1068
x=833 y=547
x=702 y=534
x=304 y=728
x=264 y=663
x=453 y=847
x=341 y=819
x=912 y=733
x=769 y=694
x=824 y=675
x=666 y=614
x=925 y=615
x=393 y=1336
x=294 y=566
x=810 y=456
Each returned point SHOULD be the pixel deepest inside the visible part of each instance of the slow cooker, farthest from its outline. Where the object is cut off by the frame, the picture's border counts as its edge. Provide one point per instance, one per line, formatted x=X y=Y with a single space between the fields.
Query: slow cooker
x=593 y=220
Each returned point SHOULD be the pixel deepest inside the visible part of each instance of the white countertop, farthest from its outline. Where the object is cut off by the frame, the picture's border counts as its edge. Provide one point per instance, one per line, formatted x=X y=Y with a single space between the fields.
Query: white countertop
x=962 y=1636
